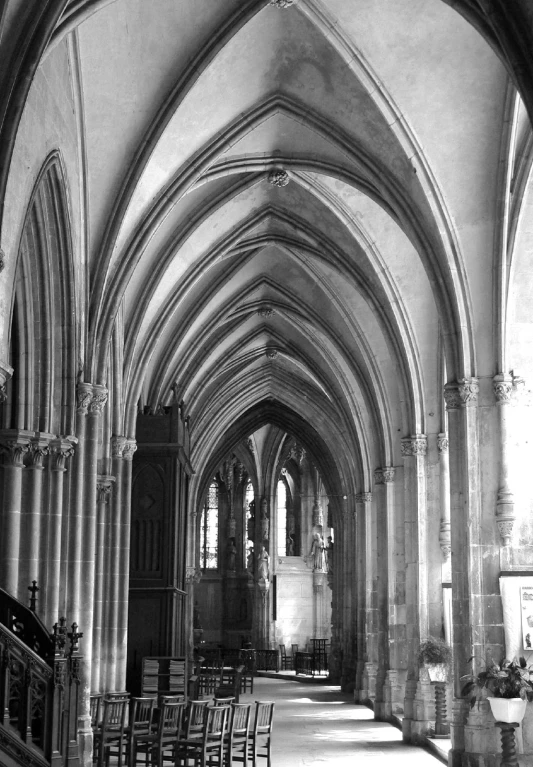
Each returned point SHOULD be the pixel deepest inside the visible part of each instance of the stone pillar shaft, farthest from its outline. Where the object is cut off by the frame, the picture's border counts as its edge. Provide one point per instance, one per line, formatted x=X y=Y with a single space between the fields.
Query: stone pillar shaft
x=124 y=568
x=77 y=505
x=414 y=450
x=61 y=450
x=103 y=562
x=88 y=557
x=30 y=560
x=505 y=512
x=114 y=587
x=461 y=404
x=14 y=444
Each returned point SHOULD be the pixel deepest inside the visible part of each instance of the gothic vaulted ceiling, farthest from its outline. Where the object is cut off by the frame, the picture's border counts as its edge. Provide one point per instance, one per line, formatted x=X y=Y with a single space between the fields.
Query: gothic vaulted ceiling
x=285 y=209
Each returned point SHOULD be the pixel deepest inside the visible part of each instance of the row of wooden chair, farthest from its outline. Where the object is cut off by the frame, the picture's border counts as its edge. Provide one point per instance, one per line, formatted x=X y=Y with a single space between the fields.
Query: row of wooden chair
x=218 y=734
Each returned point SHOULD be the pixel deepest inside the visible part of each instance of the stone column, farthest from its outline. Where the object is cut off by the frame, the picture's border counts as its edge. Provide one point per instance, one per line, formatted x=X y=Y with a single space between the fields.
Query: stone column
x=30 y=560
x=445 y=540
x=14 y=444
x=61 y=449
x=418 y=695
x=347 y=557
x=104 y=556
x=370 y=668
x=461 y=404
x=505 y=512
x=124 y=572
x=392 y=600
x=114 y=590
x=88 y=561
x=77 y=504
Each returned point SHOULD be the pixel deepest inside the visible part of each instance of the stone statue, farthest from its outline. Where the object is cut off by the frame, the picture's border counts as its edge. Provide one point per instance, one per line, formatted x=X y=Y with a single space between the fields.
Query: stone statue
x=250 y=562
x=263 y=564
x=290 y=545
x=317 y=551
x=328 y=553
x=232 y=555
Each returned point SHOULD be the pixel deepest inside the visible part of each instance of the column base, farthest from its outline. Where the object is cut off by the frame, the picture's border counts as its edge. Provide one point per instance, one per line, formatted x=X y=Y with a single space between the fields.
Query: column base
x=393 y=695
x=419 y=710
x=367 y=692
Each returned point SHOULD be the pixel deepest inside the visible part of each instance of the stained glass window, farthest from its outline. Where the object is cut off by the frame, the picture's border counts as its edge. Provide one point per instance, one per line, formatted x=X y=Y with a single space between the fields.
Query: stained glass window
x=209 y=530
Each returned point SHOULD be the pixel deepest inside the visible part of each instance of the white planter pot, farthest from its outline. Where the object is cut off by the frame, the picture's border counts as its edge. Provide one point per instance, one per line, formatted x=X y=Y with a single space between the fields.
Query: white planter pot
x=508 y=709
x=437 y=672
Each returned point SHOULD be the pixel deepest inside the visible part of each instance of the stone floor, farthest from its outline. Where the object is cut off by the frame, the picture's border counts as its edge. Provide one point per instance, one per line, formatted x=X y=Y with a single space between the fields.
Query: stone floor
x=316 y=724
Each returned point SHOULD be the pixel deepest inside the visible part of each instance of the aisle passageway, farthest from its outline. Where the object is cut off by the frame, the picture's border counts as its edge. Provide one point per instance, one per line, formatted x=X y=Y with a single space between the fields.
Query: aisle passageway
x=317 y=724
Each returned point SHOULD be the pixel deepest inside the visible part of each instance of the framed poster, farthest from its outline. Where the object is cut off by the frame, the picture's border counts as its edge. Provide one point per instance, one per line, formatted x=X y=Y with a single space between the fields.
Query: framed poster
x=526 y=603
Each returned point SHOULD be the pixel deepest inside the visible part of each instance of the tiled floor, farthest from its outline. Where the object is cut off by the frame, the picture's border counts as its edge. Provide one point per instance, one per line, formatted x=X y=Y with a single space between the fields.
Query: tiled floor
x=316 y=724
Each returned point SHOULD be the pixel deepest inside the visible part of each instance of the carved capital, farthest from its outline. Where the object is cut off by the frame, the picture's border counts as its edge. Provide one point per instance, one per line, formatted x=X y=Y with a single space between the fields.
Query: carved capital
x=40 y=448
x=98 y=400
x=468 y=391
x=388 y=473
x=84 y=395
x=14 y=444
x=104 y=484
x=363 y=498
x=502 y=386
x=442 y=443
x=415 y=445
x=378 y=476
x=118 y=445
x=278 y=177
x=451 y=396
x=505 y=526
x=61 y=449
x=129 y=448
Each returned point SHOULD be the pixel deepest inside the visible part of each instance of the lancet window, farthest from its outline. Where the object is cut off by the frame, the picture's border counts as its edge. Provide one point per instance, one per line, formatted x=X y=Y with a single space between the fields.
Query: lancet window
x=209 y=530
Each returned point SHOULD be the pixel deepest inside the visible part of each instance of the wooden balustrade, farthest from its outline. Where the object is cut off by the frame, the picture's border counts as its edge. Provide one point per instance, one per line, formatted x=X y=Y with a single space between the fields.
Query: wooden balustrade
x=39 y=684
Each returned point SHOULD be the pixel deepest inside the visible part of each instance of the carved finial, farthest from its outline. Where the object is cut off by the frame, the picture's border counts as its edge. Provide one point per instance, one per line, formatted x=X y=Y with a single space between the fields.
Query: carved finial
x=59 y=636
x=33 y=589
x=74 y=637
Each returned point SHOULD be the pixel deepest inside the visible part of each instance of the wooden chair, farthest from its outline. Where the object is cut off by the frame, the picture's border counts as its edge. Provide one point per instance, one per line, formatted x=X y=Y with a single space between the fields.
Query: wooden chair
x=157 y=745
x=230 y=684
x=141 y=718
x=109 y=734
x=194 y=718
x=286 y=662
x=294 y=650
x=95 y=702
x=261 y=740
x=248 y=661
x=238 y=734
x=208 y=749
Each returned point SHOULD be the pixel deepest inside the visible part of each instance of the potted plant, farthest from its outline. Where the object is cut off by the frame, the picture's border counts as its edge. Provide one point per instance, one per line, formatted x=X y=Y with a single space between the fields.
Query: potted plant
x=435 y=655
x=506 y=685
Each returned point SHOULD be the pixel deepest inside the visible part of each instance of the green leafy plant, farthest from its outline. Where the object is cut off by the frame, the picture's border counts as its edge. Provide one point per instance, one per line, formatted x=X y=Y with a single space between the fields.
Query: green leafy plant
x=506 y=679
x=434 y=651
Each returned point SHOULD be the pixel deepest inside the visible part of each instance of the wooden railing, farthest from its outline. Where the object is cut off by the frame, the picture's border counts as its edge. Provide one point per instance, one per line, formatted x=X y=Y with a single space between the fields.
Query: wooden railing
x=39 y=683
